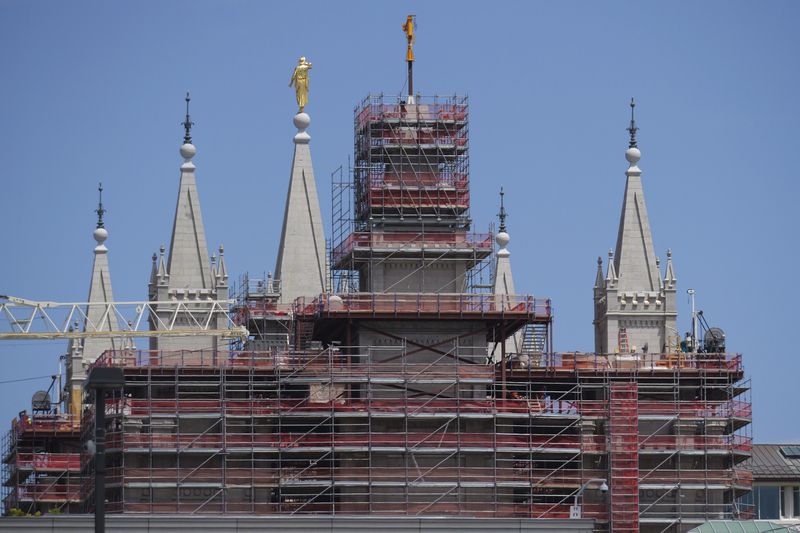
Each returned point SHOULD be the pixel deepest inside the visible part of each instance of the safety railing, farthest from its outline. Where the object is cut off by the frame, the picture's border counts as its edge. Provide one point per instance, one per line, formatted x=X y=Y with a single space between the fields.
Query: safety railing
x=48 y=492
x=696 y=477
x=380 y=108
x=653 y=361
x=408 y=305
x=48 y=461
x=45 y=423
x=419 y=440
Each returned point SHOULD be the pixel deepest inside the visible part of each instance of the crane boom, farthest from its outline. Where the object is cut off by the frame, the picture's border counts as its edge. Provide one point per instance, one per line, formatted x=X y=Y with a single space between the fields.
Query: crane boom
x=23 y=319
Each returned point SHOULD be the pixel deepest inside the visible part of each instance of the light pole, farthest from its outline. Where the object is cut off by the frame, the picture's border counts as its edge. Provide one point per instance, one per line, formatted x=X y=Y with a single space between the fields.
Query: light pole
x=100 y=380
x=575 y=509
x=690 y=292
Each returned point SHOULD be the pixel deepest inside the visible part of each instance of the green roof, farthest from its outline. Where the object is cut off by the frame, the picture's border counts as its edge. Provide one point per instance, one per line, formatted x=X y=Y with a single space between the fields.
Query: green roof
x=746 y=526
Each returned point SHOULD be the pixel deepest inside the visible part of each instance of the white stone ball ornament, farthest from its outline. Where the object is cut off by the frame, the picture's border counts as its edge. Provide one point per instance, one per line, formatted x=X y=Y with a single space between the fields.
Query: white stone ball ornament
x=633 y=155
x=301 y=122
x=100 y=235
x=188 y=151
x=502 y=239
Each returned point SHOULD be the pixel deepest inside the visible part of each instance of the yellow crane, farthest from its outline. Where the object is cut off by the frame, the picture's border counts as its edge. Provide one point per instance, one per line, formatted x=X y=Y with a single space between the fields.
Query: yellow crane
x=408 y=28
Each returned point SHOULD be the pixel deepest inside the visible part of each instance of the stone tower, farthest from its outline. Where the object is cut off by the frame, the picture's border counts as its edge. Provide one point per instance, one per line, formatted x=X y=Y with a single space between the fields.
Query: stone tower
x=187 y=276
x=99 y=317
x=634 y=308
x=301 y=269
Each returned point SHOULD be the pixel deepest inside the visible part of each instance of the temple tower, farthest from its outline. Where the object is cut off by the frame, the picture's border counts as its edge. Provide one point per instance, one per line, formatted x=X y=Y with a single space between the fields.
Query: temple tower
x=503 y=282
x=635 y=308
x=301 y=268
x=187 y=275
x=99 y=317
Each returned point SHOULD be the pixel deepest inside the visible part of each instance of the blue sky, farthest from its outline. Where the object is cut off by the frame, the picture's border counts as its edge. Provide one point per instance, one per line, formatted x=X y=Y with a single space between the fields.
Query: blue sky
x=94 y=91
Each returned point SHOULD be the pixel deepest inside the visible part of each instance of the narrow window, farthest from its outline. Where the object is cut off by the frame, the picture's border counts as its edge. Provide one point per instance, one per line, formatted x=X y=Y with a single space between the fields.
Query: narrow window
x=796 y=502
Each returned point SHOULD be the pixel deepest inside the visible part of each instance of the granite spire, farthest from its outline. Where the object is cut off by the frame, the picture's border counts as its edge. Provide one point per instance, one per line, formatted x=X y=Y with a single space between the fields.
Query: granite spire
x=301 y=267
x=634 y=307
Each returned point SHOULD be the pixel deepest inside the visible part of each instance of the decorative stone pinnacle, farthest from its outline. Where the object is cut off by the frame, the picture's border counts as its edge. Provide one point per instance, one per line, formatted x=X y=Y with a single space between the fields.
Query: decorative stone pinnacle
x=100 y=211
x=599 y=261
x=187 y=123
x=502 y=214
x=632 y=129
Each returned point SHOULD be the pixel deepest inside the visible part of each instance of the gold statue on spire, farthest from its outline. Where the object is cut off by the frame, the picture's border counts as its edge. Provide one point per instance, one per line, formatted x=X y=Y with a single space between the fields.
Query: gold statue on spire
x=300 y=82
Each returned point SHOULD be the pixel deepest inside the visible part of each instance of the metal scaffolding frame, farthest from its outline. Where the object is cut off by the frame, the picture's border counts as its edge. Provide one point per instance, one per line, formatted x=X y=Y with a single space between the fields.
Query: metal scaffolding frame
x=358 y=430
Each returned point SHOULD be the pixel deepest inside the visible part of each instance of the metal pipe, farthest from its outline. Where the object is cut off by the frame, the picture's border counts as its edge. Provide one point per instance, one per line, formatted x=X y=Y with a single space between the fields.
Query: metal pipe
x=100 y=462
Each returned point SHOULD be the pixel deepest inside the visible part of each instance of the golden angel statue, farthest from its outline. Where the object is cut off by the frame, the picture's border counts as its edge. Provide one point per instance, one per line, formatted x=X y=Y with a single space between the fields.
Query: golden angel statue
x=300 y=82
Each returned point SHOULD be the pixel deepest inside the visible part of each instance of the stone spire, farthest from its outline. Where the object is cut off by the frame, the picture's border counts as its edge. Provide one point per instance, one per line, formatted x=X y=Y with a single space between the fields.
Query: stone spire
x=188 y=264
x=301 y=266
x=187 y=273
x=635 y=257
x=503 y=282
x=634 y=307
x=98 y=317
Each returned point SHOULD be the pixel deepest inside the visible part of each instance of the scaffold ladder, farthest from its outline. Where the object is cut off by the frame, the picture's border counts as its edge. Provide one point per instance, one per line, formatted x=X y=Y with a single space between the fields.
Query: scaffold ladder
x=622 y=341
x=624 y=456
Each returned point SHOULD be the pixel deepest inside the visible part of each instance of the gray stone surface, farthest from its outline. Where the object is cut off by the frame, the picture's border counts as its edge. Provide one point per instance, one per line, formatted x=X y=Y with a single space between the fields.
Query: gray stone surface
x=301 y=265
x=97 y=316
x=187 y=274
x=632 y=295
x=503 y=285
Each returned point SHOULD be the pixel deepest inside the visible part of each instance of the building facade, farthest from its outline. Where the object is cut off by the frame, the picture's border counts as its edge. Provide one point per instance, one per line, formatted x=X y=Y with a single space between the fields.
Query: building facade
x=385 y=378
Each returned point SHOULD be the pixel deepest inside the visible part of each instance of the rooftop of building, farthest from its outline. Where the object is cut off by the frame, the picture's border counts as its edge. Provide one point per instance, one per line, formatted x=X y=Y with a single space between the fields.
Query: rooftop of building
x=775 y=462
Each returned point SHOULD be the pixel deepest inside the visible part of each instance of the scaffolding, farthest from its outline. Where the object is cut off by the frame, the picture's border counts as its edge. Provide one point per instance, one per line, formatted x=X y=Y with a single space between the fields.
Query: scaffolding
x=41 y=464
x=407 y=199
x=380 y=430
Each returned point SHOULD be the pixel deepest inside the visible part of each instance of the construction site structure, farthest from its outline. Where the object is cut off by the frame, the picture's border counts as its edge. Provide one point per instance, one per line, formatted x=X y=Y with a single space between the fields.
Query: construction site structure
x=396 y=383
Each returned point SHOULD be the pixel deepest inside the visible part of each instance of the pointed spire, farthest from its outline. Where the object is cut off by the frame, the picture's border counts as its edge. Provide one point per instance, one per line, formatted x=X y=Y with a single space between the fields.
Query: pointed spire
x=658 y=268
x=503 y=283
x=598 y=278
x=669 y=276
x=187 y=123
x=502 y=214
x=611 y=275
x=188 y=263
x=154 y=271
x=635 y=258
x=632 y=129
x=162 y=274
x=301 y=266
x=222 y=268
x=99 y=317
x=100 y=211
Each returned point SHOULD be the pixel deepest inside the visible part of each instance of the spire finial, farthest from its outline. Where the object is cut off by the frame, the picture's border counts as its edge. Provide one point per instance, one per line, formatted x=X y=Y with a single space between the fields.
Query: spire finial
x=632 y=129
x=187 y=124
x=502 y=214
x=100 y=211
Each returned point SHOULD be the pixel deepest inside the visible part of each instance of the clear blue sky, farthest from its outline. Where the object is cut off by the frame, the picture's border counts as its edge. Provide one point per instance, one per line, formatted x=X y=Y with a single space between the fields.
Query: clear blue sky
x=94 y=91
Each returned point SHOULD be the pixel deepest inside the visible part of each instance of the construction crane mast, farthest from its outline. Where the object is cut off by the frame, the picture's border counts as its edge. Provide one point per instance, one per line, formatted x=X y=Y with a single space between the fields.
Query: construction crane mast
x=409 y=27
